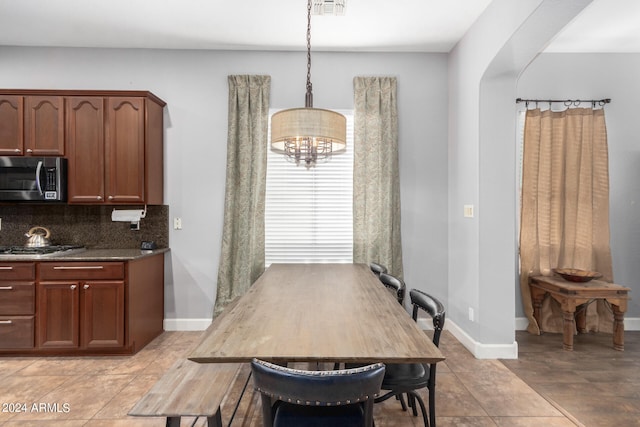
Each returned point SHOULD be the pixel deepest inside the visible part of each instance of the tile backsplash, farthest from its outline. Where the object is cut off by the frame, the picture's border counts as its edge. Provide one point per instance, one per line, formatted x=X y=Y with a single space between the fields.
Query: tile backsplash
x=90 y=226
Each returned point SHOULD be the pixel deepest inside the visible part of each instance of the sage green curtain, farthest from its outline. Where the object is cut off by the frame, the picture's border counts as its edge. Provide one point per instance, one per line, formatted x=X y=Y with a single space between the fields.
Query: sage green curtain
x=242 y=253
x=376 y=179
x=565 y=207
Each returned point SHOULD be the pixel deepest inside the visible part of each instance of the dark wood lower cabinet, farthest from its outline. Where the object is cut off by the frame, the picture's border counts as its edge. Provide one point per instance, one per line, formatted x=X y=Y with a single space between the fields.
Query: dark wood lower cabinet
x=102 y=305
x=82 y=307
x=16 y=332
x=86 y=314
x=17 y=305
x=58 y=315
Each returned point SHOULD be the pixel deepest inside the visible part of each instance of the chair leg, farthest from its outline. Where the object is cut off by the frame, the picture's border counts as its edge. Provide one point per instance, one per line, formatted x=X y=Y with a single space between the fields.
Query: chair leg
x=415 y=397
x=432 y=407
x=400 y=397
x=411 y=401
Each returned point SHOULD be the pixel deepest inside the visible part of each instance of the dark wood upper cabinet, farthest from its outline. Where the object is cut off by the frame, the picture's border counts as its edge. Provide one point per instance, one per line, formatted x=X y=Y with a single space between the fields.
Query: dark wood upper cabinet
x=31 y=125
x=112 y=139
x=11 y=125
x=125 y=148
x=85 y=136
x=44 y=124
x=115 y=149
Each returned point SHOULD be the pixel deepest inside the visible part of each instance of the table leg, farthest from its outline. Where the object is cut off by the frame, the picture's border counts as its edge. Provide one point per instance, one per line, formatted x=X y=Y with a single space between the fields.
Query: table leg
x=581 y=318
x=618 y=328
x=537 y=296
x=216 y=420
x=569 y=323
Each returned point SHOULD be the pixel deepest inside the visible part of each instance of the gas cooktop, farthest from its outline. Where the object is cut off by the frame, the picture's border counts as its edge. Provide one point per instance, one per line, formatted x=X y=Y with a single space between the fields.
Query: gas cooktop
x=10 y=252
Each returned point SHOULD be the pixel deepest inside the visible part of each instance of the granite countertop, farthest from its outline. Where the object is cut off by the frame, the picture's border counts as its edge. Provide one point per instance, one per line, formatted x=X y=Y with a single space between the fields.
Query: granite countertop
x=89 y=255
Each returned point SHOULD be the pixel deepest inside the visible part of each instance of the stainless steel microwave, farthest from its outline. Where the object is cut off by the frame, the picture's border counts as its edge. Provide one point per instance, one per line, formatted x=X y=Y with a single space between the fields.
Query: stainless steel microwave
x=33 y=179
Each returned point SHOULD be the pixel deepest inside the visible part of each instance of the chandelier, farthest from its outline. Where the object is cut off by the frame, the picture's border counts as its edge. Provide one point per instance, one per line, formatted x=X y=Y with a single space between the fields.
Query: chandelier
x=308 y=134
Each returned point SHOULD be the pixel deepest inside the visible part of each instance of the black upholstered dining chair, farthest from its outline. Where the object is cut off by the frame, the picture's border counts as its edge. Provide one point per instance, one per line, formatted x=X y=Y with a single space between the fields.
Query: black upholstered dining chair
x=294 y=397
x=395 y=284
x=406 y=378
x=377 y=268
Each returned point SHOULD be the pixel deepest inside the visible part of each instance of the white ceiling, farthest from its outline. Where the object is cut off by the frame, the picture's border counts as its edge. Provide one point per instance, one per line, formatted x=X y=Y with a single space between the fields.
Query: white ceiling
x=368 y=25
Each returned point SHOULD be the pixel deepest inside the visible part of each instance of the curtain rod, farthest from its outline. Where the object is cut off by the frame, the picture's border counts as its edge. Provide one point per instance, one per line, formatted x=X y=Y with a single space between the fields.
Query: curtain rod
x=567 y=102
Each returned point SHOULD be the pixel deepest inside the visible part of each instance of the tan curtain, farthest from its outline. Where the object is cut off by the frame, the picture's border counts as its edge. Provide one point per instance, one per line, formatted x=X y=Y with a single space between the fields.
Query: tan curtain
x=376 y=182
x=242 y=253
x=565 y=206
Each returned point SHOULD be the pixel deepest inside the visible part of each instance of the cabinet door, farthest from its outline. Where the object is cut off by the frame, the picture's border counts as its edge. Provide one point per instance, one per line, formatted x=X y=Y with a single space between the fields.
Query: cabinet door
x=11 y=125
x=85 y=146
x=44 y=120
x=125 y=155
x=103 y=314
x=58 y=314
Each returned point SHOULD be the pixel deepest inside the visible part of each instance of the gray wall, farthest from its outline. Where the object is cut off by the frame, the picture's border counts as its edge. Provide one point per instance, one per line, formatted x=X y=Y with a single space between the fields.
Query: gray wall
x=483 y=70
x=194 y=85
x=596 y=76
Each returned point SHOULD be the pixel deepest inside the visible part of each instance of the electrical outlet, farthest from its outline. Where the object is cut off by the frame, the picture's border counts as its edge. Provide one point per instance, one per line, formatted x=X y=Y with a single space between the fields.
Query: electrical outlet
x=471 y=314
x=468 y=211
x=177 y=223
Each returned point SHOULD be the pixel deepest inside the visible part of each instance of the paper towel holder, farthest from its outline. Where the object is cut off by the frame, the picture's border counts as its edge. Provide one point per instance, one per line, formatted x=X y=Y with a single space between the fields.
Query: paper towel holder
x=132 y=216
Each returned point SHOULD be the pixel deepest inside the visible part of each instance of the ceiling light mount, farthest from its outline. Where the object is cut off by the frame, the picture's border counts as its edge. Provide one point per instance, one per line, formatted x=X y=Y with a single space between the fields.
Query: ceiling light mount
x=329 y=7
x=308 y=134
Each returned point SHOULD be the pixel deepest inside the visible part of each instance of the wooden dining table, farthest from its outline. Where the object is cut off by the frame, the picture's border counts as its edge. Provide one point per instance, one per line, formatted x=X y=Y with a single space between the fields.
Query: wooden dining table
x=316 y=313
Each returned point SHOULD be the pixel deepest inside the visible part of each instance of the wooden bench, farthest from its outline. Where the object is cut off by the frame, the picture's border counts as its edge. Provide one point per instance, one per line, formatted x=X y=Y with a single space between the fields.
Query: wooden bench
x=190 y=389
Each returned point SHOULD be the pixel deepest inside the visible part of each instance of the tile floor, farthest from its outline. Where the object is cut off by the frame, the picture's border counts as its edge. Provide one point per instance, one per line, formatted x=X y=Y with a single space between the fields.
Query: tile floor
x=98 y=392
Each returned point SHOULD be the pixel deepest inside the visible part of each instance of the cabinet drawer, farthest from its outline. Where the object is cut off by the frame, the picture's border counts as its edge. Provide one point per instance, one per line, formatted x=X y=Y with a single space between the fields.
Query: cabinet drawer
x=17 y=271
x=17 y=298
x=16 y=332
x=81 y=270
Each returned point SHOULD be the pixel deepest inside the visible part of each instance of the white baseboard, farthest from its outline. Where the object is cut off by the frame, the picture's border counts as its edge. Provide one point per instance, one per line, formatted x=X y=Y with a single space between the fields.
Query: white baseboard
x=479 y=350
x=630 y=323
x=186 y=324
x=483 y=351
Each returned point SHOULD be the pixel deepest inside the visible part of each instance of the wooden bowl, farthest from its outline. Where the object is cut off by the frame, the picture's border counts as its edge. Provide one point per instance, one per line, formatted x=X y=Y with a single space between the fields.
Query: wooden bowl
x=576 y=275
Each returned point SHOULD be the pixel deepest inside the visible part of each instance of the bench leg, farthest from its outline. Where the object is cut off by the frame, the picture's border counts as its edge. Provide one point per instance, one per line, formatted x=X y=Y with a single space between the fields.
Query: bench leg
x=216 y=420
x=173 y=422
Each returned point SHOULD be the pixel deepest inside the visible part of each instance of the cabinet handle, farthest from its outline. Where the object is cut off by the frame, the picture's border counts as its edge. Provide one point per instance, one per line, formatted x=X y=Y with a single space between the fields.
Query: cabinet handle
x=110 y=197
x=99 y=197
x=29 y=150
x=5 y=322
x=81 y=267
x=6 y=288
x=17 y=150
x=6 y=268
x=86 y=286
x=72 y=287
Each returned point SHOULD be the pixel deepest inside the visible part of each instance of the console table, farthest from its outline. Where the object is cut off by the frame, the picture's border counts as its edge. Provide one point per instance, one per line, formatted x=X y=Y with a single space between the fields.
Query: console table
x=570 y=295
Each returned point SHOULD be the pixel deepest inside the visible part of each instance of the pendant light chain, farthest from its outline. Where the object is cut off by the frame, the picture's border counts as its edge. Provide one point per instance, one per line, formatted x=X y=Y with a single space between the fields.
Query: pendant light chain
x=308 y=100
x=308 y=135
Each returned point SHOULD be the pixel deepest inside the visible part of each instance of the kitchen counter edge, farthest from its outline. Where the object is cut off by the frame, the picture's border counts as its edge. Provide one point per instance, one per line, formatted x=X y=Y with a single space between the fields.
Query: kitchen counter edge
x=100 y=255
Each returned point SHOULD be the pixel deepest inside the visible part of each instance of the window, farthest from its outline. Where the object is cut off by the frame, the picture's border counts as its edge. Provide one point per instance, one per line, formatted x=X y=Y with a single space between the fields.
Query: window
x=309 y=212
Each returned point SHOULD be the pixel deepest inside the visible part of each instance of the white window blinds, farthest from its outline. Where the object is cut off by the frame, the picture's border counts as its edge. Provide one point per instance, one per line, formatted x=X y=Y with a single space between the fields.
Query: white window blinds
x=308 y=212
